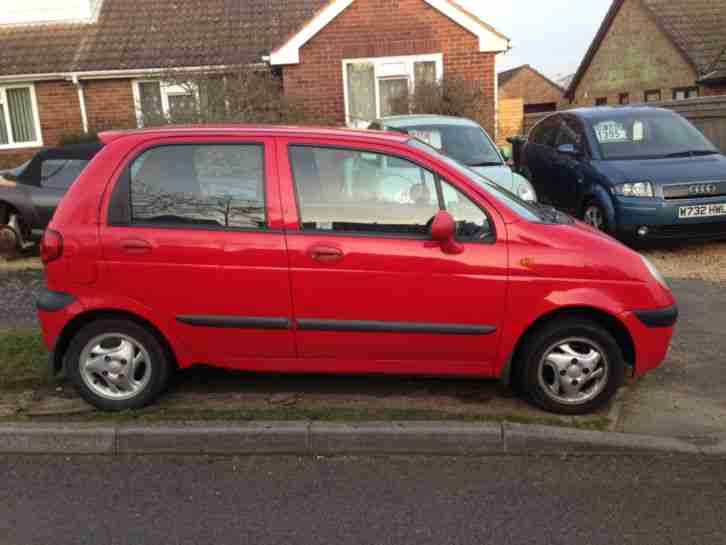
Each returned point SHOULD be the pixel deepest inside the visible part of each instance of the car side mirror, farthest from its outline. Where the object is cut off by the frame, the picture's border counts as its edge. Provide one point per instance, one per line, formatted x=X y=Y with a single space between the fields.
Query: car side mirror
x=571 y=150
x=443 y=231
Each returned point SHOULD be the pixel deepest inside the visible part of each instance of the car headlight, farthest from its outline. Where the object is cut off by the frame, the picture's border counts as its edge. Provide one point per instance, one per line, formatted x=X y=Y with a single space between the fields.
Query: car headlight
x=637 y=189
x=654 y=272
x=526 y=192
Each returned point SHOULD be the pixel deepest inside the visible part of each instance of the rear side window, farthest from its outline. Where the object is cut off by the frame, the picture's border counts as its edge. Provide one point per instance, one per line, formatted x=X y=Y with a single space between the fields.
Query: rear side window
x=61 y=173
x=203 y=185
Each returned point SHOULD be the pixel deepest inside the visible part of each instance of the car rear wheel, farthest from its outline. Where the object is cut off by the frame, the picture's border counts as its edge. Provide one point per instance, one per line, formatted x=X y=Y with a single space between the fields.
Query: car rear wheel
x=571 y=366
x=118 y=364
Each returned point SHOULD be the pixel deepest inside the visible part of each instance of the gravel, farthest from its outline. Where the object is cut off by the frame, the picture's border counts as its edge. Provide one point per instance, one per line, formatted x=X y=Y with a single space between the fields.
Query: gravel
x=18 y=291
x=704 y=261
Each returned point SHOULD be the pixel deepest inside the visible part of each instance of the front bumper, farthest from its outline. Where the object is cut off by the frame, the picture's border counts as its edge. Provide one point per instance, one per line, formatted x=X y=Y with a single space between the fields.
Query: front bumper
x=660 y=217
x=652 y=332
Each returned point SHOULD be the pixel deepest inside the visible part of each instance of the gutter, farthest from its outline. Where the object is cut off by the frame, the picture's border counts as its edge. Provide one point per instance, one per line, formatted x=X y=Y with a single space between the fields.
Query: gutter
x=81 y=101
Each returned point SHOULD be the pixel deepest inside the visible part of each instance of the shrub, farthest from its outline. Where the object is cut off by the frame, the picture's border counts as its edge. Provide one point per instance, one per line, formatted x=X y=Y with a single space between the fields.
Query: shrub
x=453 y=96
x=73 y=138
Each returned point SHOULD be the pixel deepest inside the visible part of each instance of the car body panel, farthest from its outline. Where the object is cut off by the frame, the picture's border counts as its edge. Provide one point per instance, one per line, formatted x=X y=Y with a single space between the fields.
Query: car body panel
x=395 y=305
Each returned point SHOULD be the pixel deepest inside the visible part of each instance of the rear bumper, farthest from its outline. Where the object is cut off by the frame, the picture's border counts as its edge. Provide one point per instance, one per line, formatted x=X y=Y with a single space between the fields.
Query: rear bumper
x=55 y=311
x=652 y=332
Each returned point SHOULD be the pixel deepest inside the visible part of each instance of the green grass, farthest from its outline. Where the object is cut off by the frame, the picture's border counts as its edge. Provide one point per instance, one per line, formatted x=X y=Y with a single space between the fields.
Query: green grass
x=329 y=414
x=23 y=359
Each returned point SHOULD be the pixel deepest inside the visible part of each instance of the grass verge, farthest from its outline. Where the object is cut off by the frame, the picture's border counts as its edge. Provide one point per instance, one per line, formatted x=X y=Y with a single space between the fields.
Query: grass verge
x=23 y=359
x=329 y=414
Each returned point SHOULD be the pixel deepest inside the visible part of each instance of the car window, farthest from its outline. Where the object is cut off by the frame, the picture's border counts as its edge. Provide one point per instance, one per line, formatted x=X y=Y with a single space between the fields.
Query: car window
x=545 y=133
x=61 y=173
x=199 y=185
x=471 y=221
x=570 y=132
x=468 y=144
x=345 y=190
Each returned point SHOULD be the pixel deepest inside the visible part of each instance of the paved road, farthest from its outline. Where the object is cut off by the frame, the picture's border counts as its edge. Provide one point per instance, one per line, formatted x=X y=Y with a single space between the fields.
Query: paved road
x=502 y=501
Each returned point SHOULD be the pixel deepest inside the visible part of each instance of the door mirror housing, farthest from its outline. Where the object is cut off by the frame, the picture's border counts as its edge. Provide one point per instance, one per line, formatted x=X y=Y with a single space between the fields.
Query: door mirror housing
x=443 y=231
x=571 y=150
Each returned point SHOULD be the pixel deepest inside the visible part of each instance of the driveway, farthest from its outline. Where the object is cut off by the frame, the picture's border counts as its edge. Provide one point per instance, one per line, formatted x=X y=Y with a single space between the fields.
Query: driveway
x=685 y=397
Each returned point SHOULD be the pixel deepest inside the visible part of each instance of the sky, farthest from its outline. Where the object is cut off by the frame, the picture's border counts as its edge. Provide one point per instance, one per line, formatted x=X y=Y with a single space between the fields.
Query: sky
x=550 y=35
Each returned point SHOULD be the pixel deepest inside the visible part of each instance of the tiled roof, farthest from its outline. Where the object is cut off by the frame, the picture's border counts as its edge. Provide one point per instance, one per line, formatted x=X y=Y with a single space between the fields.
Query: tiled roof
x=142 y=34
x=507 y=75
x=696 y=27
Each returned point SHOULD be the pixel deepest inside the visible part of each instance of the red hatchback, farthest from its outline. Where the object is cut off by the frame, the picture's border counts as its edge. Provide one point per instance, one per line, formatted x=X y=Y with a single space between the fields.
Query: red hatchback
x=301 y=250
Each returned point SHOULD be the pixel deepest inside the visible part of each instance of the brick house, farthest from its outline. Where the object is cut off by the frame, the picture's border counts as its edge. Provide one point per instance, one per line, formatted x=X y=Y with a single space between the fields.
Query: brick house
x=94 y=64
x=653 y=50
x=538 y=92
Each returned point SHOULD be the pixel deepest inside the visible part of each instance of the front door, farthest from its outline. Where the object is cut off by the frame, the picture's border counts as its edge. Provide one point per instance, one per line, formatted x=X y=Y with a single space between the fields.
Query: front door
x=371 y=291
x=199 y=248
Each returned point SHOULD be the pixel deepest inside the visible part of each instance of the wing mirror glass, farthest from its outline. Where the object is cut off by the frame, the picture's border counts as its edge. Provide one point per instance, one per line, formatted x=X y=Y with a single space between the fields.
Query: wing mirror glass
x=443 y=232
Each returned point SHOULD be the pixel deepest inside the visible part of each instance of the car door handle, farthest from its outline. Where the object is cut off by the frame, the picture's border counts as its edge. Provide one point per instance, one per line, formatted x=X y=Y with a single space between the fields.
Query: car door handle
x=326 y=254
x=135 y=246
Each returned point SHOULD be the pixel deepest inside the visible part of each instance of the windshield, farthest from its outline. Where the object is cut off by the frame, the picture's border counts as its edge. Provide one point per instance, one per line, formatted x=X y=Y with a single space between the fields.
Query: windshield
x=650 y=135
x=467 y=144
x=527 y=210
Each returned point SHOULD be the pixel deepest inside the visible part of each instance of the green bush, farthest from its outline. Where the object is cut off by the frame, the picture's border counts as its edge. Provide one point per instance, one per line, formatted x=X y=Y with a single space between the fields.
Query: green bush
x=73 y=138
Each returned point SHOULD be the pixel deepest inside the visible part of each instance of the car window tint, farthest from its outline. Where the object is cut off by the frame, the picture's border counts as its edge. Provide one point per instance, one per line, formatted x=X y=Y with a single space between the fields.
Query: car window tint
x=569 y=134
x=354 y=191
x=200 y=185
x=61 y=173
x=545 y=133
x=471 y=221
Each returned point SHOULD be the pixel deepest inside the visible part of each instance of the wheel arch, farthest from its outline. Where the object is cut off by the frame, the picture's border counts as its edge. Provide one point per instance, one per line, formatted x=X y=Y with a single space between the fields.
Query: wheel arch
x=611 y=323
x=78 y=322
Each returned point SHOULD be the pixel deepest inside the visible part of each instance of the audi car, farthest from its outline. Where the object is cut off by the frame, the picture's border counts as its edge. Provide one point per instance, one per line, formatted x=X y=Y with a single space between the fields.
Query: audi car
x=637 y=173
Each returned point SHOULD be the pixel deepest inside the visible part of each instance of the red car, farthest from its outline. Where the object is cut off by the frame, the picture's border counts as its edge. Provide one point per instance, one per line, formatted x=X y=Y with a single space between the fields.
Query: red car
x=310 y=250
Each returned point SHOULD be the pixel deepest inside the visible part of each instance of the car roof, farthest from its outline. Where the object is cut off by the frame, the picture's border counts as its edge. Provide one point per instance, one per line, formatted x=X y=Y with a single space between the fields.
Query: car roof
x=603 y=112
x=264 y=130
x=397 y=121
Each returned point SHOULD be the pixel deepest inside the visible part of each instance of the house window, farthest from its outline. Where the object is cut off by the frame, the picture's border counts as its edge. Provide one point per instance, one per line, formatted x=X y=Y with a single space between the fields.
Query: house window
x=378 y=87
x=602 y=101
x=19 y=122
x=683 y=93
x=624 y=98
x=653 y=96
x=161 y=100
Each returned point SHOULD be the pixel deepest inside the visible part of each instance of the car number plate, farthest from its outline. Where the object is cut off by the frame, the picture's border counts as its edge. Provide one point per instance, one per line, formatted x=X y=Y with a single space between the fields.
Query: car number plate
x=702 y=210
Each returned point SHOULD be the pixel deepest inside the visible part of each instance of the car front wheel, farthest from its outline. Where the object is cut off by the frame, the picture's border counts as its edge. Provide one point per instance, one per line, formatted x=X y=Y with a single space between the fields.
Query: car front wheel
x=571 y=366
x=117 y=364
x=594 y=215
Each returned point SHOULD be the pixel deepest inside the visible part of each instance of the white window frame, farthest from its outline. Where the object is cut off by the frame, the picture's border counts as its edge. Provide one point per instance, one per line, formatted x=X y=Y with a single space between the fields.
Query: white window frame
x=167 y=90
x=38 y=142
x=379 y=73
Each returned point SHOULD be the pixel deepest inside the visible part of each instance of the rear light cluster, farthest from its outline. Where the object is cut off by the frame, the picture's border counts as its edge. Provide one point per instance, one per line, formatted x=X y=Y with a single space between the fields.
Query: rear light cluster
x=51 y=246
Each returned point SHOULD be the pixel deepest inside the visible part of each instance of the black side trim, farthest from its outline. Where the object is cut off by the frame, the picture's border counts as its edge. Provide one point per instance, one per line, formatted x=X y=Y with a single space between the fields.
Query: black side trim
x=53 y=301
x=361 y=326
x=666 y=317
x=235 y=322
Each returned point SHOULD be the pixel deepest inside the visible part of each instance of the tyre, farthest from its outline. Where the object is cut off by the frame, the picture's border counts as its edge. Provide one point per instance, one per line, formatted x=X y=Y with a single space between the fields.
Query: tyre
x=117 y=364
x=571 y=366
x=594 y=214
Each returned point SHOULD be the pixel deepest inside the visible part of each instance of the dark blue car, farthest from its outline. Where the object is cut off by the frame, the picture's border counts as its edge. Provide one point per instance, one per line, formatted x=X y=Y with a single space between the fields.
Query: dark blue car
x=637 y=173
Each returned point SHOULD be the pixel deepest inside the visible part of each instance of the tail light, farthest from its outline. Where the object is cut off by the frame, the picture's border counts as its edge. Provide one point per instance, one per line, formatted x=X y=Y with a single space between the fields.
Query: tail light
x=51 y=246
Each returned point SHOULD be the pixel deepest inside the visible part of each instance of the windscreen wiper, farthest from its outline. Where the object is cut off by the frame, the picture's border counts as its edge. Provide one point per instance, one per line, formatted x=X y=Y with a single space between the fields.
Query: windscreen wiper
x=691 y=153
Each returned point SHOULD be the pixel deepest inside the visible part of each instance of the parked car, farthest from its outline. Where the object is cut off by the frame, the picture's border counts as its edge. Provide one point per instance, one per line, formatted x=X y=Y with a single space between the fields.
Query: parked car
x=465 y=141
x=637 y=173
x=280 y=249
x=30 y=193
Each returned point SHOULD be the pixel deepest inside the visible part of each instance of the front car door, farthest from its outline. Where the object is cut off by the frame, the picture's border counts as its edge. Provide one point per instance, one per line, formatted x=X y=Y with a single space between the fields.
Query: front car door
x=540 y=156
x=371 y=291
x=189 y=239
x=568 y=173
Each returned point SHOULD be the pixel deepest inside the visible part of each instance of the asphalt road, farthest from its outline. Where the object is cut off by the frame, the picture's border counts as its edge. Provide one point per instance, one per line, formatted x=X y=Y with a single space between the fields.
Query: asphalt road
x=483 y=501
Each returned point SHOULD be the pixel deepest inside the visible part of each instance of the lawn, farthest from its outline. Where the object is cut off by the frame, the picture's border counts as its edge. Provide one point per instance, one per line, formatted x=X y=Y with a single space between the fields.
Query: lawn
x=23 y=359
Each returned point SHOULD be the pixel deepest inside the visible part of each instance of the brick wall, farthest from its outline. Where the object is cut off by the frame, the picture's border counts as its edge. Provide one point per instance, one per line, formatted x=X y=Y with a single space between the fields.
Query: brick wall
x=109 y=104
x=59 y=110
x=714 y=90
x=532 y=88
x=380 y=28
x=634 y=57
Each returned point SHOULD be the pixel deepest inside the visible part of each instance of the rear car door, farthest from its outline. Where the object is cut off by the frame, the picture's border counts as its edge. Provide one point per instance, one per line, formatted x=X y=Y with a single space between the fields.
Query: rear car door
x=193 y=237
x=371 y=291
